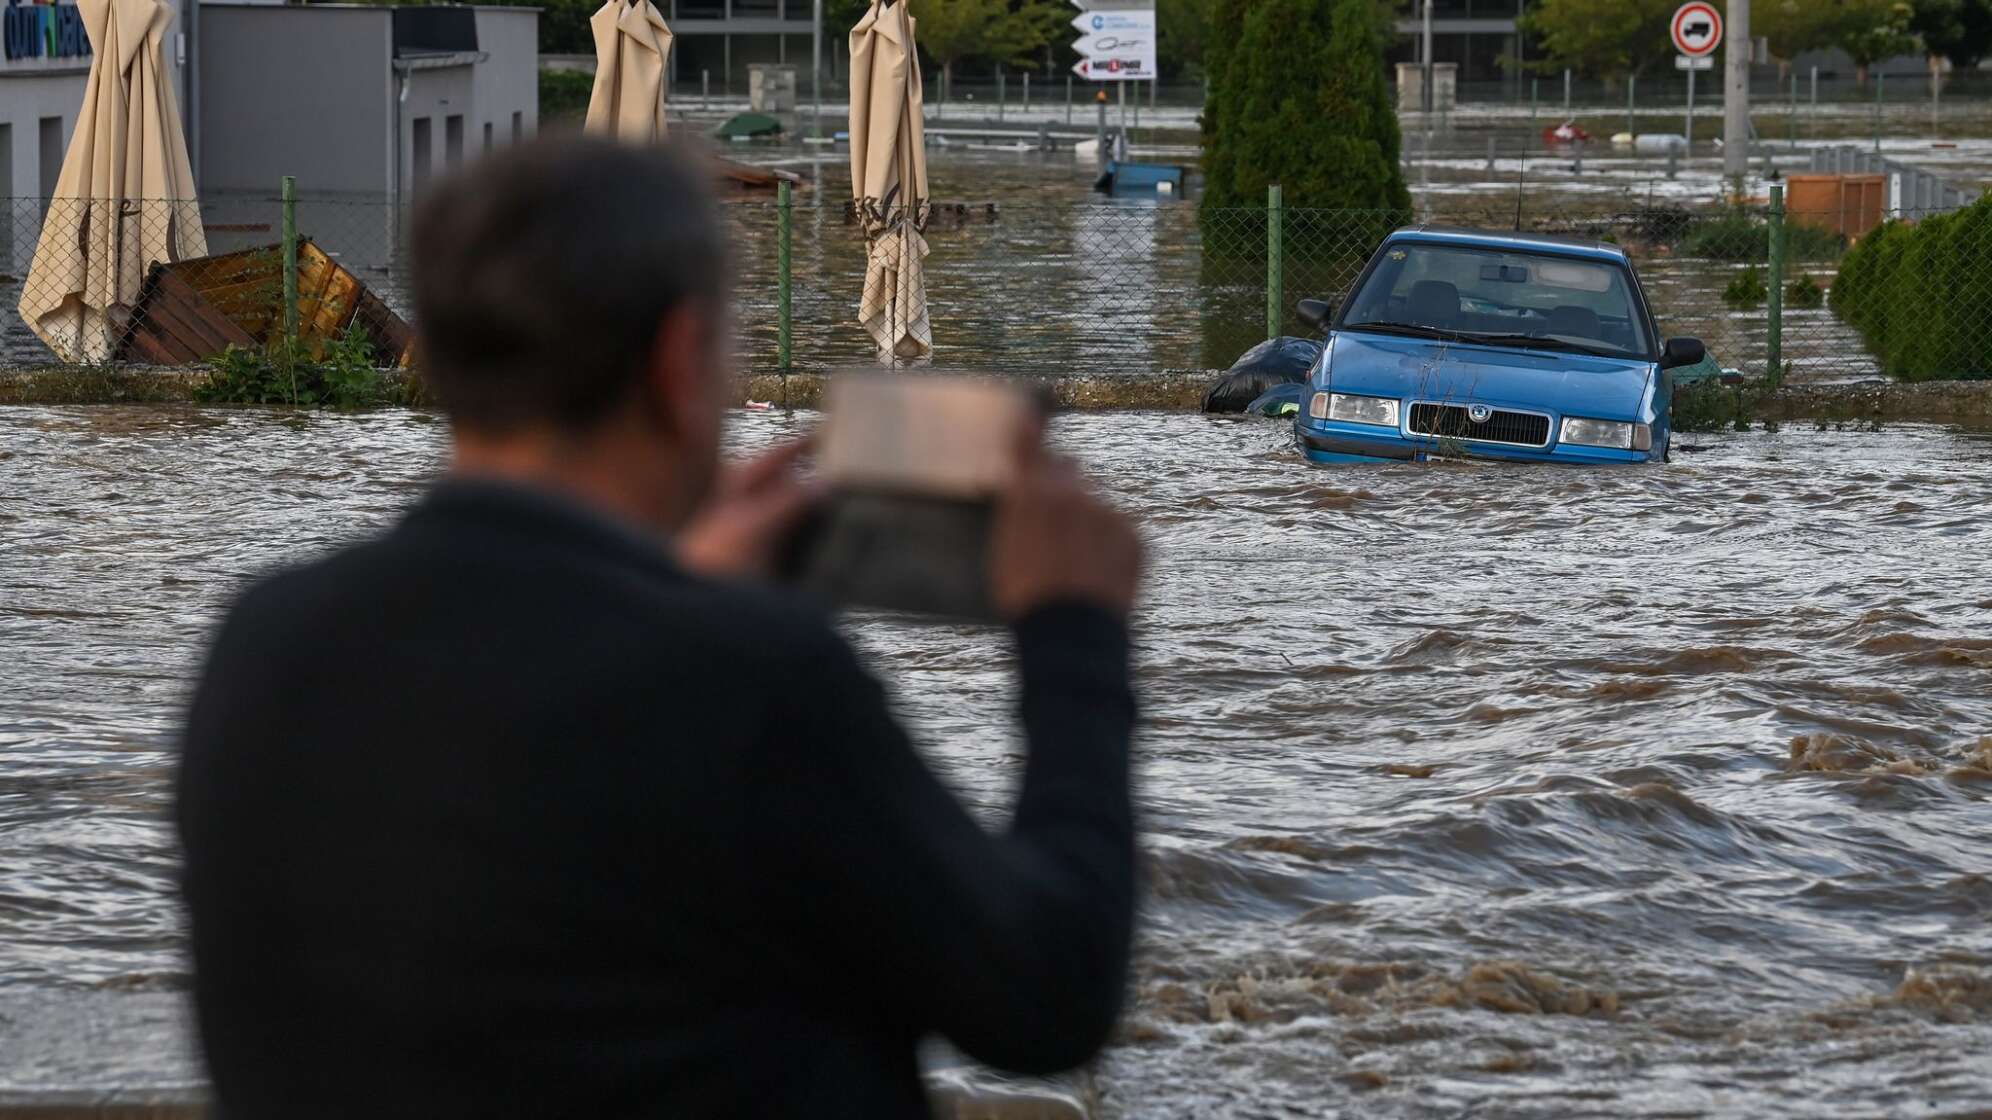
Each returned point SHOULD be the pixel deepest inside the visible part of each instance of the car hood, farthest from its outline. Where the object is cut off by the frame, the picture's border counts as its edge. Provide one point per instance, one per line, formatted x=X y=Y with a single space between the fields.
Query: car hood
x=1424 y=369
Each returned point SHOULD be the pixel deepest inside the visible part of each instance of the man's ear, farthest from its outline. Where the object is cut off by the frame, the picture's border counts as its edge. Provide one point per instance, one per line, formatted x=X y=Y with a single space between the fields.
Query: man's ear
x=679 y=359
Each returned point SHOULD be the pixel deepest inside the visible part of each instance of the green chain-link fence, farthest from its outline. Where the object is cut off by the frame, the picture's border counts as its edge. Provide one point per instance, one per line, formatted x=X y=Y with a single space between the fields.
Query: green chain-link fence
x=1093 y=287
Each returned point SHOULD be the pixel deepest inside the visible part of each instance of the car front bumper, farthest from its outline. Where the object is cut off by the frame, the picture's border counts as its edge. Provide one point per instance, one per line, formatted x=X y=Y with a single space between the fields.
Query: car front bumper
x=1332 y=442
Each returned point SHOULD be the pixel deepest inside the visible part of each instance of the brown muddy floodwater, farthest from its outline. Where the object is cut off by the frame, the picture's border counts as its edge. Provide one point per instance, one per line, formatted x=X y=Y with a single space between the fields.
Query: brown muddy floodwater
x=1468 y=791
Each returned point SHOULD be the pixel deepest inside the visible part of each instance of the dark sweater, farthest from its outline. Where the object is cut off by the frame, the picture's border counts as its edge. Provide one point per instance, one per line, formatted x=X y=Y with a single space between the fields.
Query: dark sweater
x=503 y=814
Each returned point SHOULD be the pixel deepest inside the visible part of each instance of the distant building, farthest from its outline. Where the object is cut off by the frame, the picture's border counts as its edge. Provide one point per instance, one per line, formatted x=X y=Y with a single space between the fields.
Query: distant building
x=44 y=61
x=721 y=38
x=1475 y=34
x=360 y=99
x=348 y=98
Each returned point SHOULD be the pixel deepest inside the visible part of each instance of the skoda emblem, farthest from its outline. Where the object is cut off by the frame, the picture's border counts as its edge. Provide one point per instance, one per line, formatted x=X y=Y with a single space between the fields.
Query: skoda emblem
x=1479 y=413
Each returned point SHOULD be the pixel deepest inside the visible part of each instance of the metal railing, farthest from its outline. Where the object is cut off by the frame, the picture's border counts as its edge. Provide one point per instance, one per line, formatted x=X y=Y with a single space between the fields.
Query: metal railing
x=1099 y=286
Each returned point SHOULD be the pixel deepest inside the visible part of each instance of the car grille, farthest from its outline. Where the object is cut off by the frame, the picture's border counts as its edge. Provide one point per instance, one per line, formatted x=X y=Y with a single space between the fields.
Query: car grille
x=1450 y=421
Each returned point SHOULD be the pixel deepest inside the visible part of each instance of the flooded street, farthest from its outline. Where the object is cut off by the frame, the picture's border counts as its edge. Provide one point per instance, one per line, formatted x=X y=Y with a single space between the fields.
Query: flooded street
x=1466 y=790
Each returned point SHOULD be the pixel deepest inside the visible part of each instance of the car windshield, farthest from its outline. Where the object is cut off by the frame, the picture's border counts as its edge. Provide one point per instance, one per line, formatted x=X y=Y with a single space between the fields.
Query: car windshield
x=1502 y=297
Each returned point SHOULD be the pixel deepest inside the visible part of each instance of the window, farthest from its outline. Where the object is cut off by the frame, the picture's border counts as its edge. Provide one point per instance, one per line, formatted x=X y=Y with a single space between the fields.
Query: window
x=518 y=127
x=51 y=155
x=487 y=136
x=421 y=143
x=453 y=140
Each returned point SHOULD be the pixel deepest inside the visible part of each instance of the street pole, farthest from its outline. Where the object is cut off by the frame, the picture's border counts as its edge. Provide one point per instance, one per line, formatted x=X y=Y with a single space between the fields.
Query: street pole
x=816 y=71
x=1425 y=55
x=1691 y=108
x=1736 y=92
x=1631 y=86
x=1791 y=116
x=1936 y=96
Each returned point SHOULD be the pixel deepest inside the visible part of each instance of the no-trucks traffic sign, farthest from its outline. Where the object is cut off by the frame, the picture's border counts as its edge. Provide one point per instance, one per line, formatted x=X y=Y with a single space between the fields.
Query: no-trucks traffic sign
x=1697 y=29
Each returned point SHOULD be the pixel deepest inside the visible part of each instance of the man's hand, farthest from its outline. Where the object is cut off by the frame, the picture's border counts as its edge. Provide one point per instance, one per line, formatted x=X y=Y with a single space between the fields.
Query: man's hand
x=1056 y=541
x=753 y=510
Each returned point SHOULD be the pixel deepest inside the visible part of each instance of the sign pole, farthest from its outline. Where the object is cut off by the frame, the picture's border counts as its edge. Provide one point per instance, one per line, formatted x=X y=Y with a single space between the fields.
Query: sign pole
x=1736 y=91
x=1697 y=31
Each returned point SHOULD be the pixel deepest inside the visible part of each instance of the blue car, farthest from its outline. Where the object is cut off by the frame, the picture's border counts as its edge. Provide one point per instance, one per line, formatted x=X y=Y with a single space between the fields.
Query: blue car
x=1461 y=343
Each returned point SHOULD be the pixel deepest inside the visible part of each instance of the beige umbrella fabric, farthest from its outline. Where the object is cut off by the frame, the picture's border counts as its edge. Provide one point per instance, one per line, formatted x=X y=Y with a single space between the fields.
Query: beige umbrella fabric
x=125 y=198
x=889 y=179
x=632 y=45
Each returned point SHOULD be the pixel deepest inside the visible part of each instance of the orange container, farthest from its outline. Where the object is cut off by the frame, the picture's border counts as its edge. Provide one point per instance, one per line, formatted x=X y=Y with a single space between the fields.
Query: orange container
x=1849 y=205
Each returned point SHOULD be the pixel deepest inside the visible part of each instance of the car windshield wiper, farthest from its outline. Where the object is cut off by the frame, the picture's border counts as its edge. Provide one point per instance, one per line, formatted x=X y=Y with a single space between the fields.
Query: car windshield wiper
x=1408 y=330
x=1541 y=342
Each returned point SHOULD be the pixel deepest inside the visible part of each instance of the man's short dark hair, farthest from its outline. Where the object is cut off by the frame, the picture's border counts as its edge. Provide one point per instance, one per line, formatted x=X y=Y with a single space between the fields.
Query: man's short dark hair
x=542 y=273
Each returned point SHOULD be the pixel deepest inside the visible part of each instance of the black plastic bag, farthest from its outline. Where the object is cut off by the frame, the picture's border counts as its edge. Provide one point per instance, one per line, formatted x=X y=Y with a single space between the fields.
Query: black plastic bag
x=1275 y=362
x=1279 y=401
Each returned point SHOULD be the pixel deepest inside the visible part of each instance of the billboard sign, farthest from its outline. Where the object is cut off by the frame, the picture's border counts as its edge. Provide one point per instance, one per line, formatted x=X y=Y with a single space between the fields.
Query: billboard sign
x=1115 y=45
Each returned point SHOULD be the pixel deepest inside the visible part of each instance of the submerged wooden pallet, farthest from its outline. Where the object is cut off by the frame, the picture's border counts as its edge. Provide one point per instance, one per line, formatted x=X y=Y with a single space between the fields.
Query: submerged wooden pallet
x=190 y=311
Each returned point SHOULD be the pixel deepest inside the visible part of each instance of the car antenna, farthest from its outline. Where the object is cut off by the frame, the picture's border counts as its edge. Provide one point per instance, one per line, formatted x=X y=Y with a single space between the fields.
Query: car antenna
x=1521 y=179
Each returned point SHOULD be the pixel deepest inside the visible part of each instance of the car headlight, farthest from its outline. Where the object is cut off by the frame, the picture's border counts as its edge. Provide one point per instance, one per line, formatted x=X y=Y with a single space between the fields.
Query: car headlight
x=1381 y=411
x=1607 y=433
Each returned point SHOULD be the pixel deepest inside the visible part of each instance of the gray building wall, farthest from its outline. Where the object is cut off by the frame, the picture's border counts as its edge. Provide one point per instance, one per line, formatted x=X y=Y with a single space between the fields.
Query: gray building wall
x=26 y=100
x=36 y=89
x=301 y=91
x=509 y=82
x=315 y=91
x=434 y=96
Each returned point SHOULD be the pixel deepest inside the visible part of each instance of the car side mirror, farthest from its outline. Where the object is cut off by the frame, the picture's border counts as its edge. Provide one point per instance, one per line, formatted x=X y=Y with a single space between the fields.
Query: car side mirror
x=1316 y=313
x=1682 y=352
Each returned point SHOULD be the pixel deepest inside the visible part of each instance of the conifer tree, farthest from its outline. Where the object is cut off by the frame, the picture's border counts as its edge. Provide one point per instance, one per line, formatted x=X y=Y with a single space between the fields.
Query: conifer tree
x=1299 y=98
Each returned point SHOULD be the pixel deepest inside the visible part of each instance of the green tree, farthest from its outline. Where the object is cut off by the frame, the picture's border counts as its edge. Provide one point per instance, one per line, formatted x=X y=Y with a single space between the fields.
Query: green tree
x=1182 y=29
x=1958 y=30
x=1301 y=100
x=1601 y=38
x=1870 y=30
x=1006 y=32
x=1226 y=24
x=1792 y=28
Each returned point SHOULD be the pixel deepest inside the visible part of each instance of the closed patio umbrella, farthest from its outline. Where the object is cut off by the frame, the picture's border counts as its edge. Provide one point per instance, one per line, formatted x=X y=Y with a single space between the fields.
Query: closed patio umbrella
x=125 y=197
x=889 y=179
x=632 y=45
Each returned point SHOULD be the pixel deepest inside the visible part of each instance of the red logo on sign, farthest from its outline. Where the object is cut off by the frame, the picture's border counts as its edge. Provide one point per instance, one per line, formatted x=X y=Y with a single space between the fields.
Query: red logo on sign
x=1697 y=29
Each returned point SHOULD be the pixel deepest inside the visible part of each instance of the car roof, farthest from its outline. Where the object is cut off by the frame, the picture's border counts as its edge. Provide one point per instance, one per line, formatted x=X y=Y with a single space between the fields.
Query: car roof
x=1509 y=239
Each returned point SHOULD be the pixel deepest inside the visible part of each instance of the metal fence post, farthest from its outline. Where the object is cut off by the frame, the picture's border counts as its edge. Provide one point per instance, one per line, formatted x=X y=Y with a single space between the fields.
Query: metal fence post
x=1631 y=88
x=290 y=260
x=1880 y=80
x=785 y=210
x=1791 y=118
x=1774 y=340
x=1275 y=264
